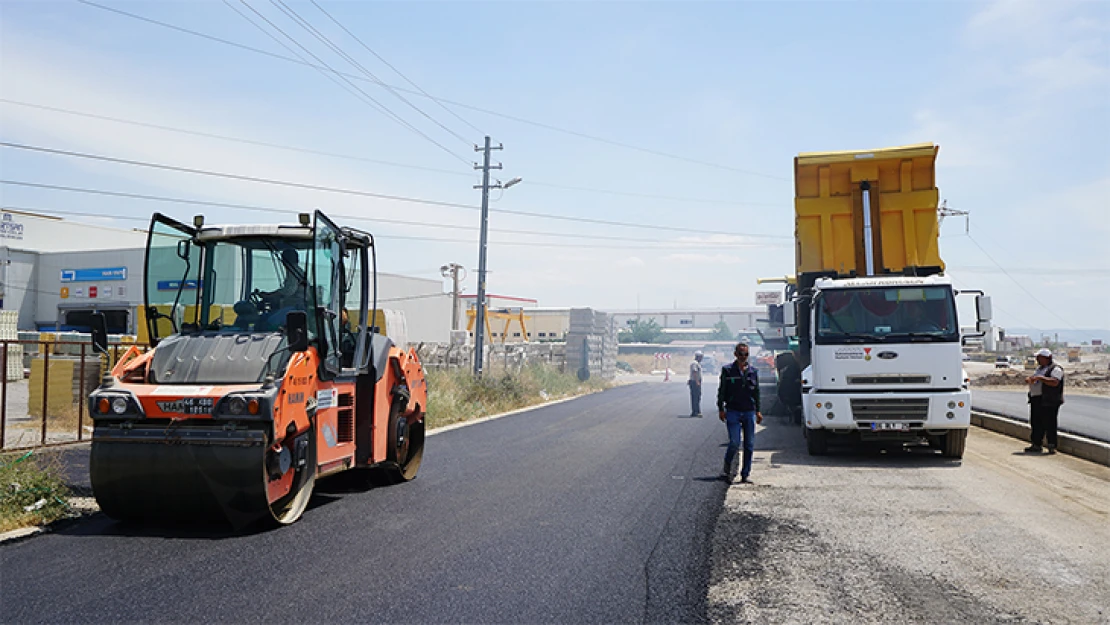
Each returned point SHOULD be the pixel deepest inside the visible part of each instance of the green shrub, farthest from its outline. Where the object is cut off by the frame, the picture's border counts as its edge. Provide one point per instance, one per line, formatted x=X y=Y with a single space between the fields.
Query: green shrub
x=30 y=494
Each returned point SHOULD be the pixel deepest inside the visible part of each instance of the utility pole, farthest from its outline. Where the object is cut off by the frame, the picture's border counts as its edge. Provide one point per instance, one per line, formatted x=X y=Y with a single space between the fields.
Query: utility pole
x=480 y=319
x=452 y=270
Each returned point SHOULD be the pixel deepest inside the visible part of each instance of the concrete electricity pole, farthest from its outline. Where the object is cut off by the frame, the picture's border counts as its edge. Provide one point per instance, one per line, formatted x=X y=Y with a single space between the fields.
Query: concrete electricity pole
x=452 y=270
x=480 y=318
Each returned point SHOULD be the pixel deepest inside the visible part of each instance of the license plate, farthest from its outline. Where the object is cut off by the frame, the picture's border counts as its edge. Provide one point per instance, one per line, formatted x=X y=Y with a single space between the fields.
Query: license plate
x=188 y=405
x=890 y=427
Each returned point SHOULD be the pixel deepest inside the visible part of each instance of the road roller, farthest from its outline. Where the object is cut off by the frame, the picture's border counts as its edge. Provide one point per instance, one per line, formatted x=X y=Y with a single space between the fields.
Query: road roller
x=262 y=372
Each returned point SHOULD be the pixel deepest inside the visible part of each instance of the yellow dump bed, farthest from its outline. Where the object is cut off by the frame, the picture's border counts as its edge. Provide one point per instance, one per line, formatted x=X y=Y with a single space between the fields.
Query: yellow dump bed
x=828 y=202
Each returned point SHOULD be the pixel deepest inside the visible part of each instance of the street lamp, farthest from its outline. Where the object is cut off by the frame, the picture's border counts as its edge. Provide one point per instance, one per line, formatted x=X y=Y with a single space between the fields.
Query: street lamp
x=480 y=317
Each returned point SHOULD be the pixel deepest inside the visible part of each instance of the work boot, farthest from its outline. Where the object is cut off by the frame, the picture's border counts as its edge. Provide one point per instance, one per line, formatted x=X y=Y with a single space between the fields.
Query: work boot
x=698 y=415
x=1033 y=449
x=1051 y=449
x=725 y=470
x=744 y=480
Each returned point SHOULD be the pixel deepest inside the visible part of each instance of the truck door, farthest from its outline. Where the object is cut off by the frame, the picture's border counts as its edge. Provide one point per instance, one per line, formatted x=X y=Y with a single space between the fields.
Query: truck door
x=172 y=272
x=326 y=289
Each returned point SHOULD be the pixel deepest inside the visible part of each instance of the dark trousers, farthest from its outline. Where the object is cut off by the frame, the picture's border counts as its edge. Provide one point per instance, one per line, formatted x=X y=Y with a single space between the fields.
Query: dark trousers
x=1042 y=421
x=695 y=397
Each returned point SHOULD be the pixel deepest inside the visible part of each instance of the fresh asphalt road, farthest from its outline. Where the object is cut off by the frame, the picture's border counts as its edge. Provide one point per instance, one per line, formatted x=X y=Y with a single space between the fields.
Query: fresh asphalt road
x=595 y=510
x=1086 y=415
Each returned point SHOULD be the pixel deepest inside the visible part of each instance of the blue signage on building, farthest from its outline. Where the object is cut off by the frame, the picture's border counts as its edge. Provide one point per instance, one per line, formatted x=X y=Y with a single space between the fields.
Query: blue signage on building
x=173 y=285
x=94 y=275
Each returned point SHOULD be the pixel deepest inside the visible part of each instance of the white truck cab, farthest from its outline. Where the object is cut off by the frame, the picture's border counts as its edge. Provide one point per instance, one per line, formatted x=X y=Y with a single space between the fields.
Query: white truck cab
x=886 y=362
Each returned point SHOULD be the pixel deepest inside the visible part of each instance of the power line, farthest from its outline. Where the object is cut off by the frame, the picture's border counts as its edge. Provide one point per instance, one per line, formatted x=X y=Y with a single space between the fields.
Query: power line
x=445 y=100
x=292 y=148
x=398 y=198
x=399 y=73
x=378 y=105
x=667 y=245
x=289 y=12
x=1020 y=285
x=1000 y=309
x=210 y=135
x=272 y=209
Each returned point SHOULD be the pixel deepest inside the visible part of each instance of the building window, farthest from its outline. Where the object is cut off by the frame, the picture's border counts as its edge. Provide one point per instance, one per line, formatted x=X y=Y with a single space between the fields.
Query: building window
x=686 y=322
x=543 y=334
x=516 y=334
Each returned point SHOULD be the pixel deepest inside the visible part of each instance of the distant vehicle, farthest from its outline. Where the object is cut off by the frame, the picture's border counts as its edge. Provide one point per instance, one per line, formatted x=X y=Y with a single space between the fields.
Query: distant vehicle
x=1030 y=363
x=1002 y=362
x=1074 y=355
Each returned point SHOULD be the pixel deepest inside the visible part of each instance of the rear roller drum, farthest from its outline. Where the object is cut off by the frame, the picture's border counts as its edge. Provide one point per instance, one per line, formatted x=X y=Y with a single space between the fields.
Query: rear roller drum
x=406 y=447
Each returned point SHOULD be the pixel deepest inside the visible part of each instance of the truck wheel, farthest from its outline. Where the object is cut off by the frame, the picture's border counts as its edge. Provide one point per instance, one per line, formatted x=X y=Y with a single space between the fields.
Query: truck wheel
x=954 y=443
x=817 y=442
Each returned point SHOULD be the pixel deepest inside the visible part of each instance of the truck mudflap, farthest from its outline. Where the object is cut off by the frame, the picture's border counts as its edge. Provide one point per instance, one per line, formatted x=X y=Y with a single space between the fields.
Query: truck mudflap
x=167 y=474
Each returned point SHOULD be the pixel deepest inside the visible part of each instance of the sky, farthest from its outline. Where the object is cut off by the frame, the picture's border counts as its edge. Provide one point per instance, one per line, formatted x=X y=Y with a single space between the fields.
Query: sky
x=679 y=118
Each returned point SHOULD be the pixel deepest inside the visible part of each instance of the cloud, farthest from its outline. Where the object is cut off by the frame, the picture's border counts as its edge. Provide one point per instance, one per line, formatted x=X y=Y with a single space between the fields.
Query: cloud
x=631 y=261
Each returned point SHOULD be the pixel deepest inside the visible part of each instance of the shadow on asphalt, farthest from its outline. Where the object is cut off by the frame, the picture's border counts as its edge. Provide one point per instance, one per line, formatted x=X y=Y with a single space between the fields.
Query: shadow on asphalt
x=327 y=491
x=869 y=456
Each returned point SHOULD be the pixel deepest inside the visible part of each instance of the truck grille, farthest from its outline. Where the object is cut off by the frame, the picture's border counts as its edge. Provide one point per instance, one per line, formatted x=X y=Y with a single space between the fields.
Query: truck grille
x=890 y=409
x=890 y=378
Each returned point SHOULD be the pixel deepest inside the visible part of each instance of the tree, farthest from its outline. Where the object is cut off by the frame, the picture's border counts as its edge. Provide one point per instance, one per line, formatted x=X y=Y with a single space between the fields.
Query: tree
x=640 y=331
x=721 y=332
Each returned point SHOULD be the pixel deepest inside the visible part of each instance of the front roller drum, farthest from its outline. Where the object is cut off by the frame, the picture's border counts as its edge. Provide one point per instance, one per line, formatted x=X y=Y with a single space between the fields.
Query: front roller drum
x=206 y=475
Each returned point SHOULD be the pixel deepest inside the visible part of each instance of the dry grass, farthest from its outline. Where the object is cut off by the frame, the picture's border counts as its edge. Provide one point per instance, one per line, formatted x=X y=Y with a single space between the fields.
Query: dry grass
x=31 y=492
x=58 y=421
x=455 y=395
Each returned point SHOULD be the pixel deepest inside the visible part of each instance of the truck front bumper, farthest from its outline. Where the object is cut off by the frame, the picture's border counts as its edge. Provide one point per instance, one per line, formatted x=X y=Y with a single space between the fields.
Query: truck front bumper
x=888 y=413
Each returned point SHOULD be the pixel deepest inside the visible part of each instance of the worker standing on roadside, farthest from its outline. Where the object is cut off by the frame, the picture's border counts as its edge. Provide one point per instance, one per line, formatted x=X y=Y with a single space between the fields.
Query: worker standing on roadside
x=1046 y=395
x=695 y=385
x=738 y=407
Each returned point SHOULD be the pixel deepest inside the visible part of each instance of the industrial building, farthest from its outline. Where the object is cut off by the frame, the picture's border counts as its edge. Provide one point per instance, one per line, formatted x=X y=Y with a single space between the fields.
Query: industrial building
x=520 y=319
x=56 y=272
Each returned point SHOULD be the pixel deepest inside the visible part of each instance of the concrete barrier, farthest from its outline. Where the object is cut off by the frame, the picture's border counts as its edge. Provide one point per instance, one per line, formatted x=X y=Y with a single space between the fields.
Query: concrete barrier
x=1072 y=444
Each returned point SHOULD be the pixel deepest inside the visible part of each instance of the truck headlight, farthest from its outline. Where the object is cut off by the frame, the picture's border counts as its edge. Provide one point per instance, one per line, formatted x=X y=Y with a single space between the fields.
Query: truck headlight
x=951 y=405
x=119 y=405
x=236 y=405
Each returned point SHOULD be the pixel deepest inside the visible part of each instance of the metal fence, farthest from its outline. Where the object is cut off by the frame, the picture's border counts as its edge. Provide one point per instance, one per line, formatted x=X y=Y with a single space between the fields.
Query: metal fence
x=510 y=357
x=44 y=387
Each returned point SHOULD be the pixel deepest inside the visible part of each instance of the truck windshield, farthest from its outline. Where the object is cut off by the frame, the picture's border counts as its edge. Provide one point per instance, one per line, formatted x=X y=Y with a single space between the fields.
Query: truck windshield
x=886 y=314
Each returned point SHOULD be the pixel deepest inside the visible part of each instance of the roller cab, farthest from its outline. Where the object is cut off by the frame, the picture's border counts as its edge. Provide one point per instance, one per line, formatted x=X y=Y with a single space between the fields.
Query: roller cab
x=264 y=376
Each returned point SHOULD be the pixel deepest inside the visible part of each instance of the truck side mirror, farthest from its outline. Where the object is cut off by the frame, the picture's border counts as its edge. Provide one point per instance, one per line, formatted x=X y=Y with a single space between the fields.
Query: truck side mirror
x=98 y=327
x=296 y=330
x=983 y=309
x=789 y=314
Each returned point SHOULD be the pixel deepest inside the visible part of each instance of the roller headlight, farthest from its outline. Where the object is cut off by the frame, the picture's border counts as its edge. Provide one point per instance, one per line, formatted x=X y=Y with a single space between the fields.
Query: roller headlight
x=236 y=405
x=119 y=405
x=951 y=405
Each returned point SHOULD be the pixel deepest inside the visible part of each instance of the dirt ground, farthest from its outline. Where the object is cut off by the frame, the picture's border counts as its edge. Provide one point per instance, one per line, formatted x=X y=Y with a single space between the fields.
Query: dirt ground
x=1091 y=376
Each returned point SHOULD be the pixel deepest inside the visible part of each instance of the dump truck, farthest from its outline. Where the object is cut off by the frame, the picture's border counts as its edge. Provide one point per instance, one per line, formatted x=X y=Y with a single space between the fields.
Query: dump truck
x=265 y=374
x=879 y=341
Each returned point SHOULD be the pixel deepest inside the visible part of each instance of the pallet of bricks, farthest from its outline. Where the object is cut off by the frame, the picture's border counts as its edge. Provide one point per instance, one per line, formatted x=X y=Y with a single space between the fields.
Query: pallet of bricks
x=61 y=382
x=10 y=332
x=592 y=343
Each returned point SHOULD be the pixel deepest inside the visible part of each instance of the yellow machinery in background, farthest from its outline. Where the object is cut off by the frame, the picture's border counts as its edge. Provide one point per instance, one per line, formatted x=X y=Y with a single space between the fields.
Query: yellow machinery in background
x=503 y=315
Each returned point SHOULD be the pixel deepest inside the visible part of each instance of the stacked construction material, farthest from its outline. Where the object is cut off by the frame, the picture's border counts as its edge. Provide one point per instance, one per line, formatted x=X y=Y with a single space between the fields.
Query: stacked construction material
x=62 y=387
x=10 y=332
x=591 y=347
